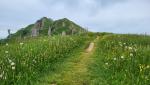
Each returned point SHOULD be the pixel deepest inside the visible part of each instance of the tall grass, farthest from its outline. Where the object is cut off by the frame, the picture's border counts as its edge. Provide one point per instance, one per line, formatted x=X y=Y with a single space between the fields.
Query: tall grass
x=122 y=60
x=23 y=62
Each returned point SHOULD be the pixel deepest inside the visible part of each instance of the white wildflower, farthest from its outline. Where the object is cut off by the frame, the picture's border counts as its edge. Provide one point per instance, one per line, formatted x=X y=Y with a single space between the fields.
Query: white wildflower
x=13 y=68
x=115 y=58
x=6 y=44
x=12 y=63
x=21 y=43
x=147 y=66
x=106 y=63
x=34 y=61
x=122 y=57
x=6 y=52
x=124 y=43
x=135 y=49
x=131 y=54
x=130 y=48
x=2 y=74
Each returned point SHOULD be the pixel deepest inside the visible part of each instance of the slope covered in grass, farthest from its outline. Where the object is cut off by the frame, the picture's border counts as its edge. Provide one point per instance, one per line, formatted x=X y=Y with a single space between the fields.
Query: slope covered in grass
x=23 y=62
x=121 y=60
x=44 y=24
x=115 y=60
x=74 y=71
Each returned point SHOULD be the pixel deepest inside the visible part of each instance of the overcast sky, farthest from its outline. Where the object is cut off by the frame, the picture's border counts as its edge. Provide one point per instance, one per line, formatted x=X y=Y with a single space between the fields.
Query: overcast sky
x=118 y=16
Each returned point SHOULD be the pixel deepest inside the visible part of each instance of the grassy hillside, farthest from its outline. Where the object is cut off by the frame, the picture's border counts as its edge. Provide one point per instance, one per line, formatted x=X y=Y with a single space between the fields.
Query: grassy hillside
x=43 y=25
x=121 y=60
x=116 y=59
x=66 y=25
x=22 y=32
x=22 y=63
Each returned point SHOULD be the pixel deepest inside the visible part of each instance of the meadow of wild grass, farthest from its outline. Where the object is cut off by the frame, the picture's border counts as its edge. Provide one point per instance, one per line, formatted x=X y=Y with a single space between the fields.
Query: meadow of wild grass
x=22 y=62
x=116 y=60
x=121 y=60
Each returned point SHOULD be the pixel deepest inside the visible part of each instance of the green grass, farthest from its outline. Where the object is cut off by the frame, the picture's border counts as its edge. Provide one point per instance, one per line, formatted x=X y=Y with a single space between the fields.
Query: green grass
x=121 y=60
x=63 y=68
x=73 y=70
x=116 y=60
x=21 y=63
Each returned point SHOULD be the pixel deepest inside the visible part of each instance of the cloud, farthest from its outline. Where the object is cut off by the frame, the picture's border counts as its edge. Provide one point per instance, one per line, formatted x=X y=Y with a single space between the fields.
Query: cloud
x=119 y=16
x=128 y=17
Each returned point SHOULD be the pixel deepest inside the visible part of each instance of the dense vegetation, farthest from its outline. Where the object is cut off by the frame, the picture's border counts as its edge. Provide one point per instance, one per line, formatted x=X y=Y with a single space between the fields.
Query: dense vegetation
x=121 y=60
x=22 y=62
x=117 y=59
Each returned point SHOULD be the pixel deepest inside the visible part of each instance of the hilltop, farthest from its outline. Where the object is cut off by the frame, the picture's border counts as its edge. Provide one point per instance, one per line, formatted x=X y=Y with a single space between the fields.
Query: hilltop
x=46 y=26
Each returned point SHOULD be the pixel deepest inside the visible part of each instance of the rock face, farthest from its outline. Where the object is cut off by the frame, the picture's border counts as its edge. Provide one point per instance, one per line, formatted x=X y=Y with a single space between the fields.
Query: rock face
x=58 y=27
x=37 y=27
x=40 y=23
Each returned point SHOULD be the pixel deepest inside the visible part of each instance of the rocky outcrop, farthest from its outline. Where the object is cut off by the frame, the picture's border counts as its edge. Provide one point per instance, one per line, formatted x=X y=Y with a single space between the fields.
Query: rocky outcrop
x=48 y=27
x=40 y=23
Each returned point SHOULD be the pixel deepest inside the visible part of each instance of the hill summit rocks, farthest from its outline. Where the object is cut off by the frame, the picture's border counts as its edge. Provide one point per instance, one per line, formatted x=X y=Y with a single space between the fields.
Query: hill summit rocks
x=46 y=26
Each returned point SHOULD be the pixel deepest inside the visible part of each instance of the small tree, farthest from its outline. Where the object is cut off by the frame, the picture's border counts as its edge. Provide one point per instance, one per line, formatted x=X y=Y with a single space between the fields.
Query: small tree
x=8 y=31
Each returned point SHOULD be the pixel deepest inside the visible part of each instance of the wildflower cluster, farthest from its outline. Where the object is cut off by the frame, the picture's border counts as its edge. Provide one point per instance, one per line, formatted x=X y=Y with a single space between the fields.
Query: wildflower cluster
x=124 y=56
x=24 y=61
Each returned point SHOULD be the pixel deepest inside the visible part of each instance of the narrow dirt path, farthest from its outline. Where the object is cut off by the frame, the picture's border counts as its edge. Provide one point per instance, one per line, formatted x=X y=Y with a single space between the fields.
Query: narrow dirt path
x=77 y=69
x=78 y=73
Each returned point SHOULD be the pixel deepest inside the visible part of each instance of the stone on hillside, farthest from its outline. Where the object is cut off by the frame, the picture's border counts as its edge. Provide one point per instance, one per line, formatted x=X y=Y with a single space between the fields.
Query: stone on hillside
x=63 y=33
x=63 y=24
x=35 y=32
x=49 y=31
x=73 y=31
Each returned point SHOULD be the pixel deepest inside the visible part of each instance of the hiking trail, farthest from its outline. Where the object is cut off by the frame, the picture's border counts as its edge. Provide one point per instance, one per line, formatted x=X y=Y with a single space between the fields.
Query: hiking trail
x=77 y=72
